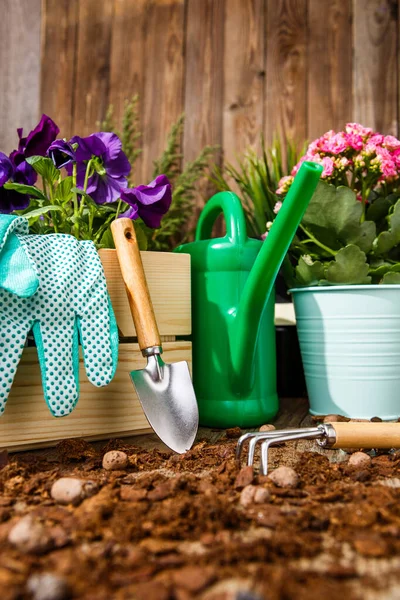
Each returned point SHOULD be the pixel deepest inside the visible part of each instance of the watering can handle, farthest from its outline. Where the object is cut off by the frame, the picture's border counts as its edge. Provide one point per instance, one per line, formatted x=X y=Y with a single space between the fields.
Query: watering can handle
x=228 y=204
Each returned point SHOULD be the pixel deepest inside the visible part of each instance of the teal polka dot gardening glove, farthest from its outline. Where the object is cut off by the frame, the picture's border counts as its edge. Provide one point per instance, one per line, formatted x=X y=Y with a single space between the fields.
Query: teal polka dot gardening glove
x=54 y=285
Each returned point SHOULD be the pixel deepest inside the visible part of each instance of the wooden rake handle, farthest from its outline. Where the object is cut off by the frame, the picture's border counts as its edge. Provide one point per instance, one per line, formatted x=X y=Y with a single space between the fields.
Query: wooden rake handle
x=134 y=278
x=366 y=435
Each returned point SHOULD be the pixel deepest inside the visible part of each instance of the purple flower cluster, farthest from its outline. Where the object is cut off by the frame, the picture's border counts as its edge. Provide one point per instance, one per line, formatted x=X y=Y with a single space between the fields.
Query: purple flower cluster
x=15 y=168
x=101 y=167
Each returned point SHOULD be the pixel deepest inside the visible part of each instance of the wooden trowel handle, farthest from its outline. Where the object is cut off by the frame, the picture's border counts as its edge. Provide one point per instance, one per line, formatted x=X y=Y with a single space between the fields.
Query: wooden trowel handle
x=134 y=278
x=366 y=435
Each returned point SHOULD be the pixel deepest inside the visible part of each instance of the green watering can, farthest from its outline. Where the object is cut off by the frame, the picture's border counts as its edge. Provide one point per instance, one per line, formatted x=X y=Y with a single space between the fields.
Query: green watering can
x=234 y=360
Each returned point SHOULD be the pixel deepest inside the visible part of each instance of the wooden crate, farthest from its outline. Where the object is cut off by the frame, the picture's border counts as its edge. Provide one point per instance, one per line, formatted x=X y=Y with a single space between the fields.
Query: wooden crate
x=113 y=410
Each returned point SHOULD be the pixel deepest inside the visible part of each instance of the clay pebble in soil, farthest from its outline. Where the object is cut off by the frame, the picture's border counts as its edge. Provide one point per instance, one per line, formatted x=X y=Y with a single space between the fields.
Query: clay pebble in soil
x=253 y=494
x=267 y=427
x=335 y=419
x=47 y=586
x=30 y=536
x=244 y=477
x=115 y=460
x=284 y=477
x=359 y=460
x=70 y=490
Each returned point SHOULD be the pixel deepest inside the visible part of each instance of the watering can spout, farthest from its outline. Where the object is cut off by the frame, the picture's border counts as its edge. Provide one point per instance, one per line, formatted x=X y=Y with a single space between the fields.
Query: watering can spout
x=265 y=269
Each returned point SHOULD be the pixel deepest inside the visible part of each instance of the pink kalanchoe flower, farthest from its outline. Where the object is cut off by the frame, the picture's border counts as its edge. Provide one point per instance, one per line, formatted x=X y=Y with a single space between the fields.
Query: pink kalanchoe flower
x=391 y=143
x=329 y=166
x=354 y=141
x=357 y=129
x=277 y=207
x=334 y=144
x=284 y=184
x=387 y=164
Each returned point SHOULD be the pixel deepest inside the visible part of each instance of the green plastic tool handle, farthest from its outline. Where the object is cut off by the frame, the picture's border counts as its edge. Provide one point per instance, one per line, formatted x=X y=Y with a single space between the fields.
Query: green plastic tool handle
x=267 y=264
x=229 y=204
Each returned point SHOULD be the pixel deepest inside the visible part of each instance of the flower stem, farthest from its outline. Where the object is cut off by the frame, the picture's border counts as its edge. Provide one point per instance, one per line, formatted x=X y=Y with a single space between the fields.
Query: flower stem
x=317 y=242
x=118 y=208
x=75 y=201
x=53 y=214
x=85 y=185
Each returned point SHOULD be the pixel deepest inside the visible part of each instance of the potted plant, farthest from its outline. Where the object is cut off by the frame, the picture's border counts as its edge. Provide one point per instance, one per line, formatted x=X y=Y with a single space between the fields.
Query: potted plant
x=346 y=277
x=78 y=187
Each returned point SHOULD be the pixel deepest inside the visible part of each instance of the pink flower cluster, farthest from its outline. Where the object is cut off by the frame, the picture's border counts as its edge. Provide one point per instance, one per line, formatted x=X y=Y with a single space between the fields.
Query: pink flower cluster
x=355 y=154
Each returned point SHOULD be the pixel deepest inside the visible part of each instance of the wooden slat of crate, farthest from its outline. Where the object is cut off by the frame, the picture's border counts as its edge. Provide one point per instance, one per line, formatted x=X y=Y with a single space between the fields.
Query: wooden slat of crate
x=168 y=278
x=101 y=412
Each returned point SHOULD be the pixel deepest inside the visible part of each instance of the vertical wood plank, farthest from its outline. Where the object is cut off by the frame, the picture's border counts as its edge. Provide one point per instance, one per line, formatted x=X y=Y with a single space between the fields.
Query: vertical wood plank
x=127 y=61
x=286 y=69
x=204 y=75
x=19 y=68
x=375 y=64
x=162 y=96
x=59 y=37
x=91 y=91
x=244 y=72
x=204 y=85
x=329 y=66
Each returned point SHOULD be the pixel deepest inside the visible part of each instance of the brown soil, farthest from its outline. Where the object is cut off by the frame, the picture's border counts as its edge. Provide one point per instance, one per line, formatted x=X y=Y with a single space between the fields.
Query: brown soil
x=172 y=527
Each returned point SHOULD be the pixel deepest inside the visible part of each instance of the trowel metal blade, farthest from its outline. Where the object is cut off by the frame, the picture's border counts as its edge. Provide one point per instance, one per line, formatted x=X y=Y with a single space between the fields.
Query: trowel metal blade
x=168 y=400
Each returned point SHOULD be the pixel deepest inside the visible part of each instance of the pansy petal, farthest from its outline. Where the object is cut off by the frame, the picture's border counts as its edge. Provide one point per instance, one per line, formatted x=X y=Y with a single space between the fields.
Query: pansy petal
x=111 y=142
x=11 y=200
x=25 y=173
x=88 y=147
x=131 y=213
x=40 y=138
x=119 y=166
x=6 y=168
x=108 y=190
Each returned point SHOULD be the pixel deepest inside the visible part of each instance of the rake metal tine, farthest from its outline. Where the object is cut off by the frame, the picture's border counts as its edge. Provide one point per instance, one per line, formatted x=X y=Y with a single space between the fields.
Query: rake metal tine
x=260 y=436
x=309 y=433
x=257 y=436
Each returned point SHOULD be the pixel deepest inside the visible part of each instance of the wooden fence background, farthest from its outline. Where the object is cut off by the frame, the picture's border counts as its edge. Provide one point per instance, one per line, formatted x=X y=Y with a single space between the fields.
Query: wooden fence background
x=235 y=67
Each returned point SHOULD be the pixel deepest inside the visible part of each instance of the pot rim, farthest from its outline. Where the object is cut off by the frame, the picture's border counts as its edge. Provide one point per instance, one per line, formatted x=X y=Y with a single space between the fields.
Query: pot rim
x=347 y=288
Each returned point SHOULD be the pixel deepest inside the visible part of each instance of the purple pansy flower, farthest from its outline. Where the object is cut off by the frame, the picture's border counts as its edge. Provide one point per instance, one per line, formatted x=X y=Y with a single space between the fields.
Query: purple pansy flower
x=35 y=143
x=149 y=202
x=61 y=153
x=11 y=200
x=110 y=166
x=39 y=139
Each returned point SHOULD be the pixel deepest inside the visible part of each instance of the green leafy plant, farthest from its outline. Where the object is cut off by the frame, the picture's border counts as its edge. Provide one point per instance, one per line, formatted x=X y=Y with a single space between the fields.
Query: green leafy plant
x=350 y=233
x=256 y=179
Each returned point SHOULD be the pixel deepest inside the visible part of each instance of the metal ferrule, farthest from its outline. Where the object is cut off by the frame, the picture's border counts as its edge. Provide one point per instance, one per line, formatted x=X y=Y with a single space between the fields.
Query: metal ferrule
x=152 y=351
x=329 y=438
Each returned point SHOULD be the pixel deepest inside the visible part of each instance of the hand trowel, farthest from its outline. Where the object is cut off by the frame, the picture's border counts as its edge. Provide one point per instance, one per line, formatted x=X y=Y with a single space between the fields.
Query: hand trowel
x=165 y=390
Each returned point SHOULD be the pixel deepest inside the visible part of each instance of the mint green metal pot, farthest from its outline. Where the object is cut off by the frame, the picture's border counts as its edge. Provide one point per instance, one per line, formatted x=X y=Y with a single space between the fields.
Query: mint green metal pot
x=350 y=345
x=234 y=369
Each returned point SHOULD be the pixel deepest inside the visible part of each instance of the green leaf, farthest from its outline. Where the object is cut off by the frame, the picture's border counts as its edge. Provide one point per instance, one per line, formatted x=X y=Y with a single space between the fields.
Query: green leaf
x=386 y=240
x=378 y=209
x=335 y=213
x=392 y=278
x=141 y=236
x=309 y=272
x=30 y=190
x=44 y=167
x=63 y=191
x=41 y=211
x=349 y=267
x=107 y=240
